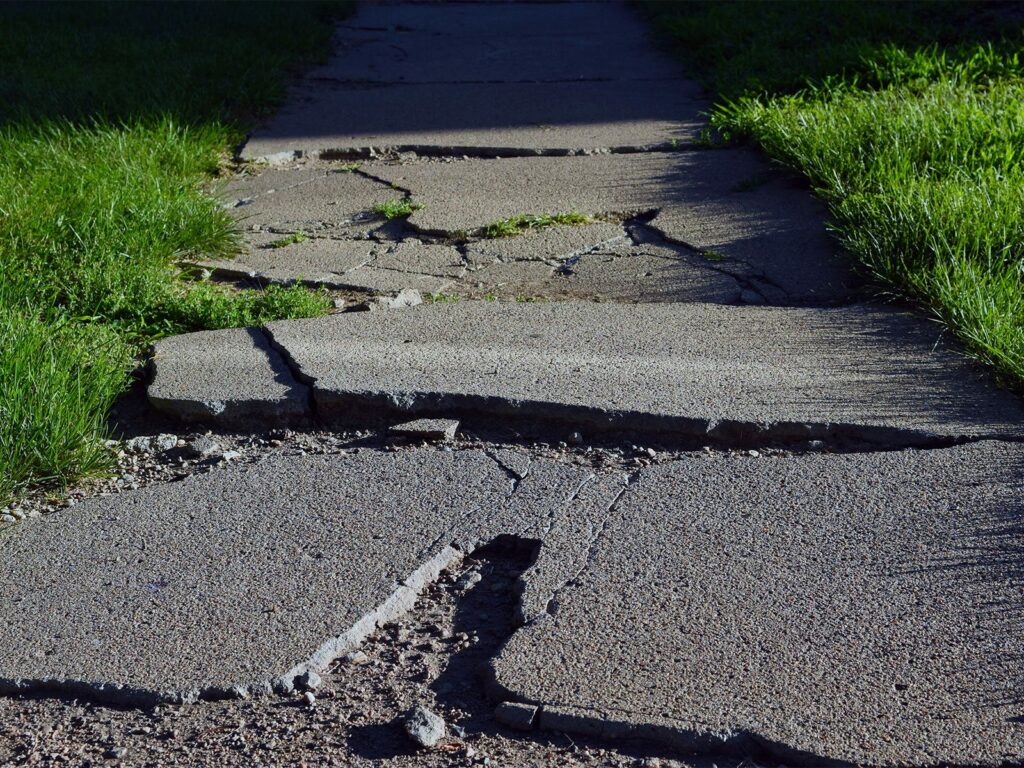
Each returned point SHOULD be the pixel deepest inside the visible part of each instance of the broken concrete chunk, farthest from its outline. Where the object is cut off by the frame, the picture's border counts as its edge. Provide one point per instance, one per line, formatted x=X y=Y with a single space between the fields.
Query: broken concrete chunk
x=147 y=444
x=407 y=297
x=204 y=447
x=516 y=715
x=424 y=727
x=232 y=377
x=427 y=429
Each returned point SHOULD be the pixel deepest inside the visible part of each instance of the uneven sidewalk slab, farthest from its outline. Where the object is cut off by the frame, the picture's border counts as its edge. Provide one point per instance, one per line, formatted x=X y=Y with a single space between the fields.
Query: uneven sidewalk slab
x=725 y=203
x=856 y=609
x=231 y=377
x=553 y=21
x=240 y=580
x=329 y=119
x=411 y=56
x=732 y=375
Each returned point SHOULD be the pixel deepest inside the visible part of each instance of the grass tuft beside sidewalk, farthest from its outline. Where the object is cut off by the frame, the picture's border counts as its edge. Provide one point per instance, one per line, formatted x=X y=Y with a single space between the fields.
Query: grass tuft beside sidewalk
x=906 y=119
x=115 y=120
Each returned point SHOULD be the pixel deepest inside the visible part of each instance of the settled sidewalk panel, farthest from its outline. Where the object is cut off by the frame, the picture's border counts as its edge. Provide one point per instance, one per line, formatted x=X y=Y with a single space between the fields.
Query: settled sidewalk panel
x=727 y=375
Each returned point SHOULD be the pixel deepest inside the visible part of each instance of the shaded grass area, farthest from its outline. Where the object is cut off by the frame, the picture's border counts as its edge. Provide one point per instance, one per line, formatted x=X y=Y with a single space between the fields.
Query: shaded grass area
x=115 y=120
x=906 y=118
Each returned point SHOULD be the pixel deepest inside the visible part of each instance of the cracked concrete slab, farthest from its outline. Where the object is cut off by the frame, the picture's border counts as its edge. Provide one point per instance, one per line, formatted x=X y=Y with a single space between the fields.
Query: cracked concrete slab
x=416 y=257
x=230 y=377
x=336 y=263
x=568 y=540
x=624 y=274
x=609 y=21
x=646 y=273
x=857 y=609
x=239 y=580
x=707 y=200
x=551 y=245
x=319 y=260
x=716 y=373
x=323 y=202
x=412 y=56
x=327 y=119
x=243 y=188
x=450 y=80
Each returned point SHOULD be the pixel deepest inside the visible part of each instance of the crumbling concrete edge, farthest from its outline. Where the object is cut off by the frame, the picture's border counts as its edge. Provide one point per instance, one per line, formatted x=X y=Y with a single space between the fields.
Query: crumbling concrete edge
x=483 y=152
x=336 y=408
x=677 y=735
x=399 y=602
x=293 y=409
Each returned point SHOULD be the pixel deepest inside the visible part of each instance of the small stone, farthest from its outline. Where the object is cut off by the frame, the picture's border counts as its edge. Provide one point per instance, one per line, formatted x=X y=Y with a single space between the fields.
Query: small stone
x=338 y=303
x=651 y=452
x=141 y=444
x=308 y=681
x=753 y=454
x=427 y=429
x=116 y=753
x=424 y=727
x=516 y=715
x=8 y=519
x=309 y=699
x=357 y=657
x=164 y=442
x=469 y=580
x=18 y=514
x=128 y=478
x=230 y=455
x=575 y=438
x=204 y=447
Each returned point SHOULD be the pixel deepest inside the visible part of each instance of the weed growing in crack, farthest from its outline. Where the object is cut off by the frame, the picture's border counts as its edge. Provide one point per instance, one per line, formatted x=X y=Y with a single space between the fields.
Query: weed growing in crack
x=442 y=298
x=526 y=221
x=712 y=255
x=396 y=209
x=293 y=239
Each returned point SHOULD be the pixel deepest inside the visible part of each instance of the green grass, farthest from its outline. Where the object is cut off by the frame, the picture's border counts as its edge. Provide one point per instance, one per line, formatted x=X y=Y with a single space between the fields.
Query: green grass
x=906 y=119
x=114 y=121
x=396 y=209
x=525 y=221
x=439 y=297
x=293 y=239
